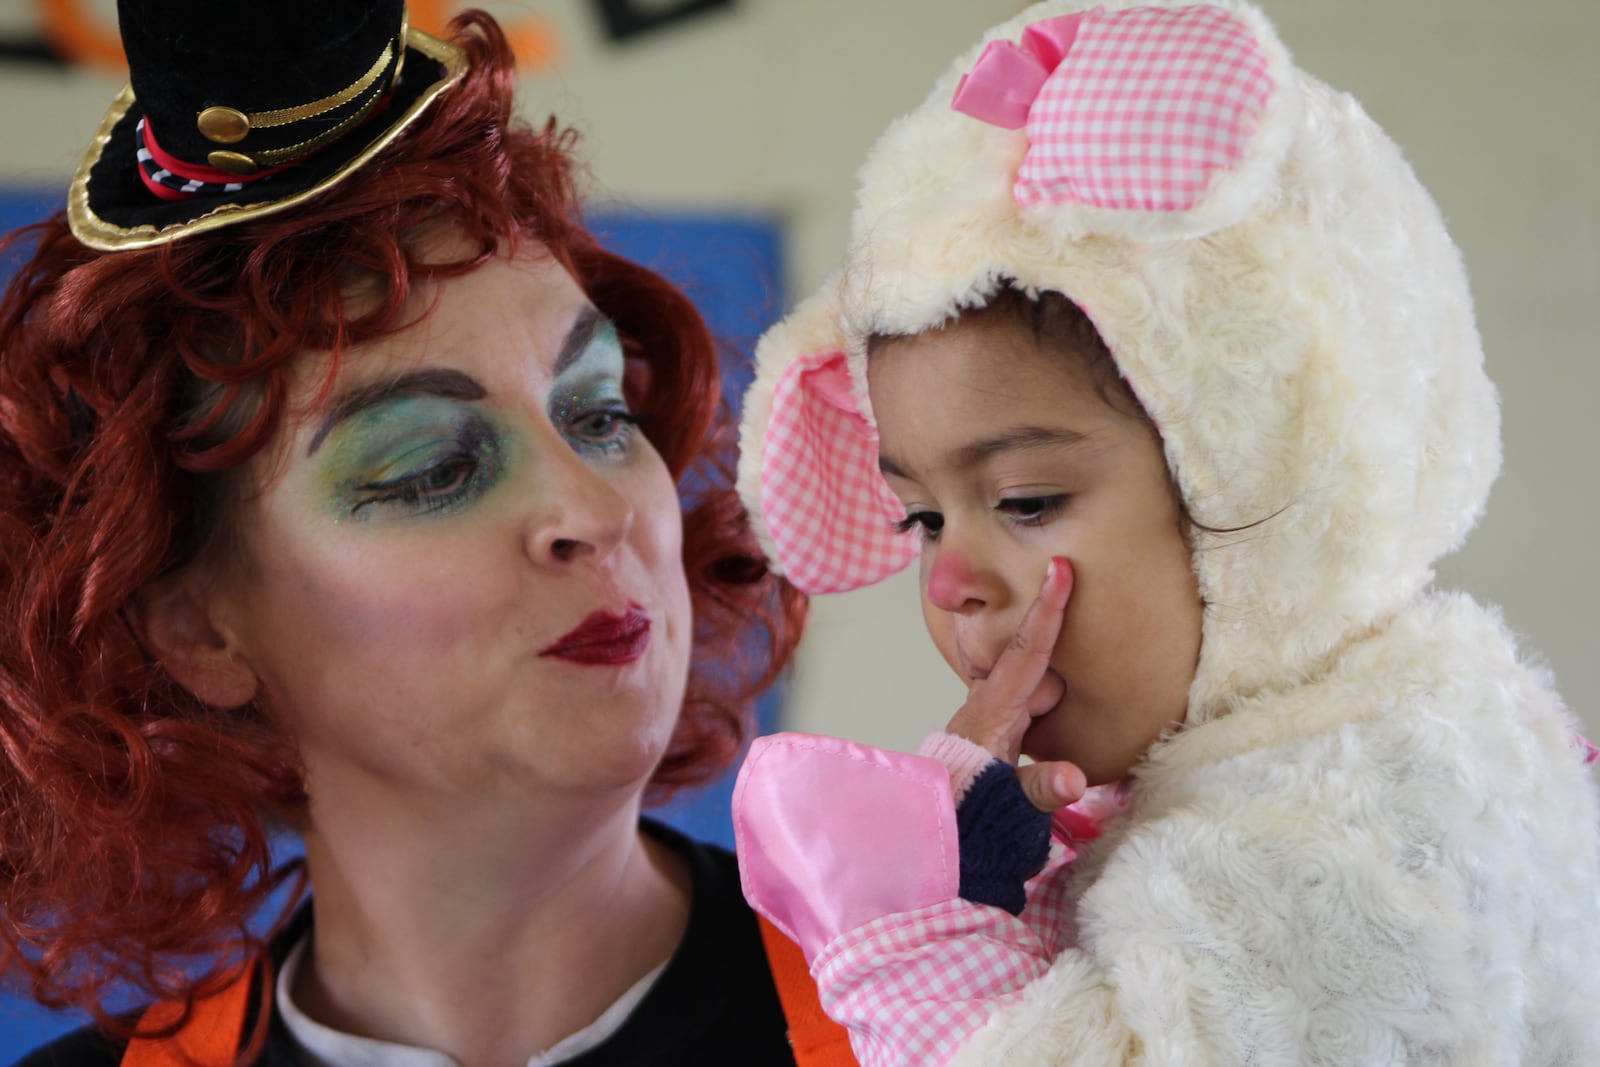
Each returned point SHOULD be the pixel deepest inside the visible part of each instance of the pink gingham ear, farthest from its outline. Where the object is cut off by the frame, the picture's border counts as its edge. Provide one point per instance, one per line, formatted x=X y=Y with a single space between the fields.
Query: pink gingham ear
x=1135 y=109
x=828 y=510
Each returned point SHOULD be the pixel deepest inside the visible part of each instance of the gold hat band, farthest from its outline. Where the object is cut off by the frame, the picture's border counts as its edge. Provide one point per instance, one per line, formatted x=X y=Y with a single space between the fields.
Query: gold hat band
x=243 y=163
x=226 y=125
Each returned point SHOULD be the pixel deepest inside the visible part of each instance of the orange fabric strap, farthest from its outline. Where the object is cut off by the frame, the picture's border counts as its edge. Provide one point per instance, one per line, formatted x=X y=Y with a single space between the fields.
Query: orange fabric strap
x=209 y=1039
x=817 y=1040
x=211 y=1036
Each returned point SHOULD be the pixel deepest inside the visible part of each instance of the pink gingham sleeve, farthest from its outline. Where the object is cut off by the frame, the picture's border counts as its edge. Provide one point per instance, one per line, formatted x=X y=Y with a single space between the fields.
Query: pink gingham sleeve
x=914 y=987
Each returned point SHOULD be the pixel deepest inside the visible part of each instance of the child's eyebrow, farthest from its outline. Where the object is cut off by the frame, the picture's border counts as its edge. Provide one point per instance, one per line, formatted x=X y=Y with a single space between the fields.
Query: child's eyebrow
x=1017 y=439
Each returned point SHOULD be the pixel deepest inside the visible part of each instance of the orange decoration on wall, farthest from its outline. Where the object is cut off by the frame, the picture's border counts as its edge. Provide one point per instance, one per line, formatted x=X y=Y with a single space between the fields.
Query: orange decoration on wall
x=79 y=36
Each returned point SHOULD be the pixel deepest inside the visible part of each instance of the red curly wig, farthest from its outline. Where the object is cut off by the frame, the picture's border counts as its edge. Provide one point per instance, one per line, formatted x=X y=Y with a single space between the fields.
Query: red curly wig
x=135 y=821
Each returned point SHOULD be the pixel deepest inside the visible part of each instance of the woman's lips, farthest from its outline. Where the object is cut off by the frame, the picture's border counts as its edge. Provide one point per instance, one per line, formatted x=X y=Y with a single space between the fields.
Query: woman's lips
x=605 y=638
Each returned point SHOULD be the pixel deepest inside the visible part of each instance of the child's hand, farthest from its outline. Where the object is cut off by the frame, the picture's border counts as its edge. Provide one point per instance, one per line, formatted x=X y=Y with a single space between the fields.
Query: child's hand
x=1000 y=708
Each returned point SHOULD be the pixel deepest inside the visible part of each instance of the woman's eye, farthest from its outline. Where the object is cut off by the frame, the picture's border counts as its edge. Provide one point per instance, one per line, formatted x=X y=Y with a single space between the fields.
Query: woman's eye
x=608 y=428
x=599 y=425
x=1033 y=510
x=432 y=488
x=434 y=467
x=447 y=476
x=926 y=523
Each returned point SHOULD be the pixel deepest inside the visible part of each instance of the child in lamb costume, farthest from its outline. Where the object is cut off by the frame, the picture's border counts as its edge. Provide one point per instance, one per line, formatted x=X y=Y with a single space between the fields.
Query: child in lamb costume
x=1135 y=308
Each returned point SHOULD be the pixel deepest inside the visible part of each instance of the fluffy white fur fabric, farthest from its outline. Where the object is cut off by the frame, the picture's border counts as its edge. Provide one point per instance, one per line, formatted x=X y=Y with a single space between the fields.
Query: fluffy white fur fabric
x=1373 y=842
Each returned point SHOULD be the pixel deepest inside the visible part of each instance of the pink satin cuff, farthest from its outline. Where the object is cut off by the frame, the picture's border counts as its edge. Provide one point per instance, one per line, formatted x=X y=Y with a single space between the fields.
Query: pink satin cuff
x=831 y=834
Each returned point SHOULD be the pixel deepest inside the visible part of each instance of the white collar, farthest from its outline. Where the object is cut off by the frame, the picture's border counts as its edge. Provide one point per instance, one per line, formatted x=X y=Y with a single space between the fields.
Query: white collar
x=334 y=1048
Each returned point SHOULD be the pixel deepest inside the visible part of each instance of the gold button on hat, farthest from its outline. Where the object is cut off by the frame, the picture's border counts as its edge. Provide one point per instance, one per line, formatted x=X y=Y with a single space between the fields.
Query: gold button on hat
x=232 y=162
x=223 y=125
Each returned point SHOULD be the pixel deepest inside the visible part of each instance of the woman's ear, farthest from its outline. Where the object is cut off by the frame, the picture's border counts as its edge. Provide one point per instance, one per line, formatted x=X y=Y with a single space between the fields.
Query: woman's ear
x=177 y=615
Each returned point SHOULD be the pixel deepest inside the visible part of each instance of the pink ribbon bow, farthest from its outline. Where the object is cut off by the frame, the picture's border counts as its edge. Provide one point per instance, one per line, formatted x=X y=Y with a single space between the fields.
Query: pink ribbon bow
x=1007 y=77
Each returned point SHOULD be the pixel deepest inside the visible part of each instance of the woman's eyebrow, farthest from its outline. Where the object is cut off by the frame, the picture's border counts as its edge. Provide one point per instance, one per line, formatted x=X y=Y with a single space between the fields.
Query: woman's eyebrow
x=1017 y=439
x=588 y=323
x=450 y=384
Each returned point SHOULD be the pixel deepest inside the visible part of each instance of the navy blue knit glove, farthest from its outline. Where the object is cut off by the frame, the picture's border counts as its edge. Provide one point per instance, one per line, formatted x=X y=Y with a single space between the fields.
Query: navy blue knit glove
x=1004 y=839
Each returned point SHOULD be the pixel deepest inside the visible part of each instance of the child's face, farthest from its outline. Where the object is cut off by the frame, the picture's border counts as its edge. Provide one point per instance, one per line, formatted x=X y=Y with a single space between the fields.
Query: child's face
x=1005 y=454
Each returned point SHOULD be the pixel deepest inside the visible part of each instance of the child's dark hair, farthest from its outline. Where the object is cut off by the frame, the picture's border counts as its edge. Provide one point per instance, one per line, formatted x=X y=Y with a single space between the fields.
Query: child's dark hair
x=1062 y=326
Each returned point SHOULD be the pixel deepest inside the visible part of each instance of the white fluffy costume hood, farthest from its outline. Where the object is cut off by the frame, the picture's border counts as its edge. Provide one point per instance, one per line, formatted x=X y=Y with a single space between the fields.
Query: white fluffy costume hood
x=1302 y=337
x=1373 y=841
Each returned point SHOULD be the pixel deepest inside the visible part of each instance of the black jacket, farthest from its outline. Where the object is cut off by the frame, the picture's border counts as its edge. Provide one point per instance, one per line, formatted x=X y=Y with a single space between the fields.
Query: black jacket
x=714 y=1004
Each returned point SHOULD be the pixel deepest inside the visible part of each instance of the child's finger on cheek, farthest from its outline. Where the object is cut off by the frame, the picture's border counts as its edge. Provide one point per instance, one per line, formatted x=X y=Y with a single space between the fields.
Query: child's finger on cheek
x=1000 y=707
x=1043 y=618
x=1027 y=657
x=1058 y=581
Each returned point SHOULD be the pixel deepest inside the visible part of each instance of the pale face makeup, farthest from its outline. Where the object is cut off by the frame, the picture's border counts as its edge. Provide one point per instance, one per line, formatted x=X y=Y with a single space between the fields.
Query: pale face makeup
x=473 y=492
x=1004 y=455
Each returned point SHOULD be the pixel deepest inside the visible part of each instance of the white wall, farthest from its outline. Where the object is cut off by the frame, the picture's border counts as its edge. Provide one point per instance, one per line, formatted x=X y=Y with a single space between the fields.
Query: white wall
x=770 y=108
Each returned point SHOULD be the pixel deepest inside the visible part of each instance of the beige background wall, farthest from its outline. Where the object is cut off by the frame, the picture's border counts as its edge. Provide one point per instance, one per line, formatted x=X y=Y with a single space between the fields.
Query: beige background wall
x=769 y=109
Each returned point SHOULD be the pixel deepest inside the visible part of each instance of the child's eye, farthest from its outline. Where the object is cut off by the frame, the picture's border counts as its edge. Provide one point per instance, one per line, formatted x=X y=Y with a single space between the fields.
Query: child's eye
x=1033 y=510
x=926 y=523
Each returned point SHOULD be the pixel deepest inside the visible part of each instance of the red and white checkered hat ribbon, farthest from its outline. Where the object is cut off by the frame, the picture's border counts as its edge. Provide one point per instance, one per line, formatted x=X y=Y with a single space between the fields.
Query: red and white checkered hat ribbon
x=1134 y=109
x=827 y=507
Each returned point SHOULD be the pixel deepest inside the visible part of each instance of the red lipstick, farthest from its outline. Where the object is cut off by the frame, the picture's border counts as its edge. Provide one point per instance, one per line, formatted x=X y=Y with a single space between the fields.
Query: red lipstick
x=605 y=639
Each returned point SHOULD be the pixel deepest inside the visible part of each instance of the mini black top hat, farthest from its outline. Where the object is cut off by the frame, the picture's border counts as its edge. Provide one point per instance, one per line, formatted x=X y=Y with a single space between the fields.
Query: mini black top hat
x=236 y=109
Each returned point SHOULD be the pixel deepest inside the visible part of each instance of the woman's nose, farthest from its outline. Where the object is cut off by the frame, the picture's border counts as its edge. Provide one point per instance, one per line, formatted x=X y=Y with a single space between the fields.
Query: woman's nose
x=581 y=517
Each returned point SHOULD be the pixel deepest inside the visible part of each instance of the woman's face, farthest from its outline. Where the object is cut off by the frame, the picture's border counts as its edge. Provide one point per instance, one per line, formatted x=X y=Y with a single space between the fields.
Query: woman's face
x=1005 y=454
x=462 y=572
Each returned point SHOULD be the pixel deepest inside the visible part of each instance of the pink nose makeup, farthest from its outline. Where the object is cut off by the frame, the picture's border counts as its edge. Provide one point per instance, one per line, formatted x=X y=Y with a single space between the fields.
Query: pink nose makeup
x=951 y=580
